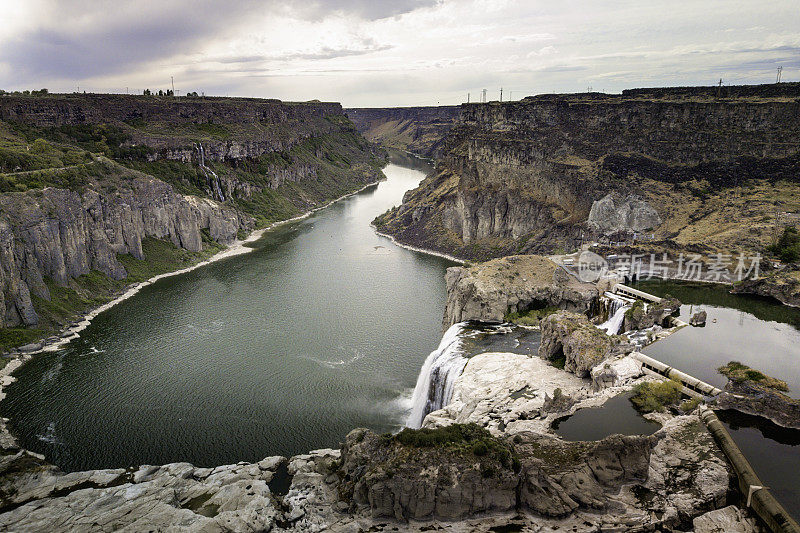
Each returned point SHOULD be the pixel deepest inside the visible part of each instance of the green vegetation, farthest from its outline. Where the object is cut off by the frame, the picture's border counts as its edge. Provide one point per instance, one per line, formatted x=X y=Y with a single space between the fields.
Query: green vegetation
x=12 y=337
x=656 y=396
x=636 y=309
x=739 y=373
x=460 y=438
x=163 y=256
x=531 y=317
x=787 y=249
x=690 y=405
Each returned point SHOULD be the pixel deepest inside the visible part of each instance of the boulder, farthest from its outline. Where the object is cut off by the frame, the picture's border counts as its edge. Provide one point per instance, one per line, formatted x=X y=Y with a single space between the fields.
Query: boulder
x=729 y=519
x=699 y=318
x=615 y=373
x=571 y=337
x=616 y=213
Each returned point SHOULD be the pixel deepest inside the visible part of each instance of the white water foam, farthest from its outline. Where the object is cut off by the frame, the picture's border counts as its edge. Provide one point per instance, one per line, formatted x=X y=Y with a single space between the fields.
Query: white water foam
x=438 y=376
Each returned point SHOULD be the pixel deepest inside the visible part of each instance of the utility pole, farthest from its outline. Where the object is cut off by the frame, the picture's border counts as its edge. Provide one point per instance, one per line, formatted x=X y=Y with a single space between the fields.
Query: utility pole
x=501 y=94
x=780 y=71
x=467 y=97
x=719 y=88
x=172 y=79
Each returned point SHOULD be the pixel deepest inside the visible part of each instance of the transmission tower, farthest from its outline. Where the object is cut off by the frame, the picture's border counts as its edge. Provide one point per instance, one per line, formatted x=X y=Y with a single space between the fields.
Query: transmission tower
x=483 y=96
x=780 y=72
x=501 y=94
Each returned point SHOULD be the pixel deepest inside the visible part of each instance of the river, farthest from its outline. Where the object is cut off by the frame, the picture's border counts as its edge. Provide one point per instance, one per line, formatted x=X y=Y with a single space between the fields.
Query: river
x=321 y=329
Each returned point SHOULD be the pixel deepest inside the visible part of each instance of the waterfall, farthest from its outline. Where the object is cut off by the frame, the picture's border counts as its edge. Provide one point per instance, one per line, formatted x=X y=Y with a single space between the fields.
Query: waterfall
x=216 y=191
x=616 y=308
x=437 y=377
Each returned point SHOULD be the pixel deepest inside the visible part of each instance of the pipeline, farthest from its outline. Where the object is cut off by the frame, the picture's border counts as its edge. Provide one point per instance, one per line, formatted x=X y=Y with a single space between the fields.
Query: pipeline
x=691 y=385
x=759 y=498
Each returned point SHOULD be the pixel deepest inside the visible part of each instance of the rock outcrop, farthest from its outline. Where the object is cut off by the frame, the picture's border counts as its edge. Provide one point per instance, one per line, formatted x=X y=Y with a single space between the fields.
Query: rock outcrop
x=514 y=284
x=615 y=214
x=38 y=497
x=678 y=470
x=642 y=316
x=62 y=234
x=783 y=285
x=753 y=398
x=579 y=344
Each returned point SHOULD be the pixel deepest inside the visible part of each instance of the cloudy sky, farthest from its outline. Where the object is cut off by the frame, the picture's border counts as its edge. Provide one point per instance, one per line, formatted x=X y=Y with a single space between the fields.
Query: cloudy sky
x=393 y=52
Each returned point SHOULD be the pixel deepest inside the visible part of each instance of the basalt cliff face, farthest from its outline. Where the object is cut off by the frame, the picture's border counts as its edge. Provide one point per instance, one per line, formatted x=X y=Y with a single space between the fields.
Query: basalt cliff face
x=419 y=130
x=542 y=173
x=60 y=234
x=85 y=180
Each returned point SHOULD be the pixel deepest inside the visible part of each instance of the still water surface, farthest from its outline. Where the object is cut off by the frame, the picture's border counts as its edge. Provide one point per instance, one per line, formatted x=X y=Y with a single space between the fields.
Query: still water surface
x=323 y=328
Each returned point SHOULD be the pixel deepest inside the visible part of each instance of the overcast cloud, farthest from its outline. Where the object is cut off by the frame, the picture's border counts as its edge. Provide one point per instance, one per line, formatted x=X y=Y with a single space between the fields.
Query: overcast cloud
x=401 y=52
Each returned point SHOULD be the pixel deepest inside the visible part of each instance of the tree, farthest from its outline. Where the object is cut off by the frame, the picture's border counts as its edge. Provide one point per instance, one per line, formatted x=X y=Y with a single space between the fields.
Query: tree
x=147 y=92
x=788 y=246
x=40 y=146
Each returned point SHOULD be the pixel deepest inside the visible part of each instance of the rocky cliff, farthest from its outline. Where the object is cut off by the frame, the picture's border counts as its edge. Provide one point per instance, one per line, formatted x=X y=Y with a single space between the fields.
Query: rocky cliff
x=493 y=290
x=86 y=179
x=420 y=130
x=528 y=175
x=61 y=234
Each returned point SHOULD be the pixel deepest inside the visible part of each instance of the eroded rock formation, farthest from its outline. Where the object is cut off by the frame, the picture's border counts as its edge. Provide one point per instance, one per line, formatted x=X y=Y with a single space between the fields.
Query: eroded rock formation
x=492 y=290
x=62 y=234
x=522 y=177
x=571 y=338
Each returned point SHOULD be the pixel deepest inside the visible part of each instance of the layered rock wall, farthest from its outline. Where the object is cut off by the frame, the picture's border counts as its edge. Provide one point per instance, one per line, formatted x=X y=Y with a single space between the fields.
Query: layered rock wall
x=66 y=109
x=62 y=234
x=420 y=130
x=523 y=176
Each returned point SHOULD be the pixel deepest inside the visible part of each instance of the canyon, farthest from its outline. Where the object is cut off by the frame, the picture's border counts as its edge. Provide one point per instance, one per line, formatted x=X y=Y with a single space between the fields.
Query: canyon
x=681 y=168
x=541 y=174
x=89 y=178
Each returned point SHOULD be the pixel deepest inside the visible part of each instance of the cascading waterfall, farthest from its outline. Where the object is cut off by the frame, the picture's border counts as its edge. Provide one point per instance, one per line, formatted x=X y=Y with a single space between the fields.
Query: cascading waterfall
x=216 y=190
x=616 y=307
x=438 y=376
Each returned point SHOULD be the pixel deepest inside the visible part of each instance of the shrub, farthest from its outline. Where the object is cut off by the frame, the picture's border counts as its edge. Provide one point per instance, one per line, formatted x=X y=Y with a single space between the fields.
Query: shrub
x=479 y=449
x=690 y=405
x=650 y=396
x=788 y=246
x=739 y=373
